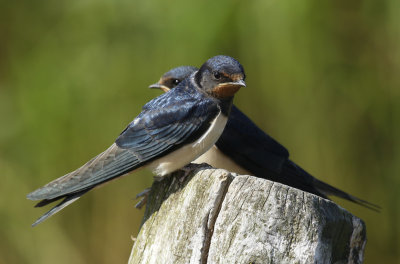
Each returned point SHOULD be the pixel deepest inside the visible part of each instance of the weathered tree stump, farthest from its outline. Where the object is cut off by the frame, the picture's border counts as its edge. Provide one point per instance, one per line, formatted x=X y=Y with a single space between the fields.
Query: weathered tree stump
x=214 y=216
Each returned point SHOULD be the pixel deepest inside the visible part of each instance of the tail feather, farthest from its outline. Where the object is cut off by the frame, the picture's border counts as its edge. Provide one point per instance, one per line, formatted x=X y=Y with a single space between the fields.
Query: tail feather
x=107 y=166
x=330 y=190
x=69 y=199
x=324 y=189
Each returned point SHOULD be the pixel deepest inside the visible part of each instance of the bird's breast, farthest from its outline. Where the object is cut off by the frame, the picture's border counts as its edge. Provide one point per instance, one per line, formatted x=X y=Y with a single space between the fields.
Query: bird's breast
x=189 y=152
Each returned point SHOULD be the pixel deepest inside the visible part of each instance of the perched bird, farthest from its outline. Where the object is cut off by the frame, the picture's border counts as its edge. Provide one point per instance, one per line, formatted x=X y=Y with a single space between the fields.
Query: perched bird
x=171 y=131
x=245 y=149
x=173 y=77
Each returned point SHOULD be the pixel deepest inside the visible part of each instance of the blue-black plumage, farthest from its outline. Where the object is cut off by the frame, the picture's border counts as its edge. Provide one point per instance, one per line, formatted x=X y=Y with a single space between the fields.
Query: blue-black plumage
x=171 y=131
x=244 y=148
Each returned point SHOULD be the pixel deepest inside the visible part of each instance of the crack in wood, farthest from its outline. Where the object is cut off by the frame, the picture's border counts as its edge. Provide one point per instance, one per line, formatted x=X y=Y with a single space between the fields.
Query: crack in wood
x=210 y=224
x=217 y=217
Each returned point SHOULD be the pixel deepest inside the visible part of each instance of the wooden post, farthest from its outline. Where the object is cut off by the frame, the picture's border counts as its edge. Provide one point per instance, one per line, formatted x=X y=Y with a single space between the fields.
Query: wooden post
x=214 y=216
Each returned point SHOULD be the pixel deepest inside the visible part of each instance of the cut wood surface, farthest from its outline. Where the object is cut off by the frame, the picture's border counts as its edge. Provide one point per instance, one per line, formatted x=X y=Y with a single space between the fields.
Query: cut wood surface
x=214 y=216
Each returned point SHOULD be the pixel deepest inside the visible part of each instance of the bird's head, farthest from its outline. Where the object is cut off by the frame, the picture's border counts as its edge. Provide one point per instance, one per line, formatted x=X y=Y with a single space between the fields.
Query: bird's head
x=221 y=76
x=173 y=77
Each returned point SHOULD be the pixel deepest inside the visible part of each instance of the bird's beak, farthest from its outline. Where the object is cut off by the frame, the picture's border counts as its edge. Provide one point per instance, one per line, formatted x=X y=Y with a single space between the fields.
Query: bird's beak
x=239 y=83
x=159 y=86
x=155 y=86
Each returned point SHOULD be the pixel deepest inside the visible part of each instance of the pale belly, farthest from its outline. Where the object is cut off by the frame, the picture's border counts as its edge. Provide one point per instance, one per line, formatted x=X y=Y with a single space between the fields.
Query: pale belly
x=186 y=154
x=217 y=159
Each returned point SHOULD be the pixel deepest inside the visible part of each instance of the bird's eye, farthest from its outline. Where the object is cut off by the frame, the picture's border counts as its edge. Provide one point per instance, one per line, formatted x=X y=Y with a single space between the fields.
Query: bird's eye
x=217 y=75
x=175 y=81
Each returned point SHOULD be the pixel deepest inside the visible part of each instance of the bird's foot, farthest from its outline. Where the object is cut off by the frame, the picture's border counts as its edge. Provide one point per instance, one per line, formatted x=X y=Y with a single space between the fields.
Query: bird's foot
x=143 y=195
x=189 y=168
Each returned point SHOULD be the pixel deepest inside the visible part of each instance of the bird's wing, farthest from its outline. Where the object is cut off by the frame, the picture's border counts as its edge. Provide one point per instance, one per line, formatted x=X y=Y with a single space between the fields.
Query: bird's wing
x=111 y=163
x=154 y=133
x=255 y=148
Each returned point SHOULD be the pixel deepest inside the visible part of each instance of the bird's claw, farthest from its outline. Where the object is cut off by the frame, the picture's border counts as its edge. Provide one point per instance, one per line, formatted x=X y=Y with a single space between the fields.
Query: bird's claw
x=144 y=195
x=189 y=168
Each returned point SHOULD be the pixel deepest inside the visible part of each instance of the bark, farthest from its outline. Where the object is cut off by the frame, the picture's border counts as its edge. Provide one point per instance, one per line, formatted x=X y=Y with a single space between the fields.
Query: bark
x=213 y=216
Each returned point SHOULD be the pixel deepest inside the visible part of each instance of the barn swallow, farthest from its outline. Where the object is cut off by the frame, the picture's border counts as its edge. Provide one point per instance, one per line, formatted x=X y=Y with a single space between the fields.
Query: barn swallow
x=245 y=149
x=171 y=131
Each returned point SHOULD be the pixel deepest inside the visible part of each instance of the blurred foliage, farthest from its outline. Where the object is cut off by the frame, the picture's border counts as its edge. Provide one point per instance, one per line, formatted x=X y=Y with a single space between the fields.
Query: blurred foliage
x=323 y=78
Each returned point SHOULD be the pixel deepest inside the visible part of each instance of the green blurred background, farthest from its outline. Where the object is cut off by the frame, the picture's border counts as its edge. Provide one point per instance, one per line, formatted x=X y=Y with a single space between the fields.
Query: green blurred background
x=323 y=79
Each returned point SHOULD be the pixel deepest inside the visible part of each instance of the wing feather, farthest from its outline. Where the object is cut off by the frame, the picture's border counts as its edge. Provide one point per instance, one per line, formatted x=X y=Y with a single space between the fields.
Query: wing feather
x=167 y=122
x=154 y=133
x=111 y=163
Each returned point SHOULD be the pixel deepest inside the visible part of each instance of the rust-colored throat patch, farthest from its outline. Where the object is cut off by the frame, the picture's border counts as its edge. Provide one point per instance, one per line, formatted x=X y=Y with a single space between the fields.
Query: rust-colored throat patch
x=224 y=90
